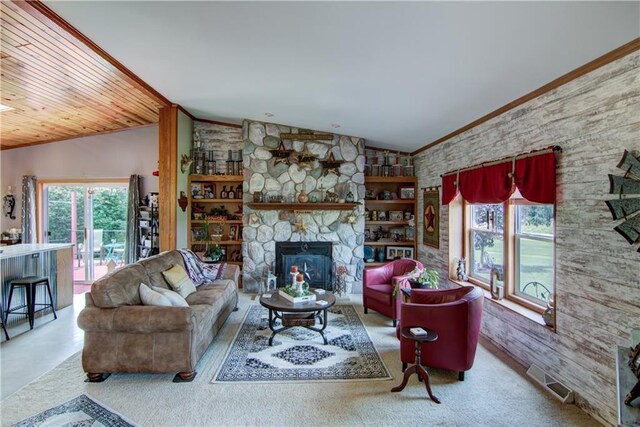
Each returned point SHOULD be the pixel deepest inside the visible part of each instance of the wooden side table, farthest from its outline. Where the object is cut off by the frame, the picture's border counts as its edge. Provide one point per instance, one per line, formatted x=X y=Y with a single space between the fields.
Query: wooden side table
x=418 y=369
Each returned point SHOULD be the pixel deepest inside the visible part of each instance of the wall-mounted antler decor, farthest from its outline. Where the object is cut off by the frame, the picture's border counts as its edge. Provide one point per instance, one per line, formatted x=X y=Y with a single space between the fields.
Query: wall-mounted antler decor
x=624 y=207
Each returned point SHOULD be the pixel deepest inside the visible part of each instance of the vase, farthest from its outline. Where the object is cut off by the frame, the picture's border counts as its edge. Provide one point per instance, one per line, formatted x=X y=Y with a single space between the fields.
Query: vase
x=302 y=197
x=381 y=255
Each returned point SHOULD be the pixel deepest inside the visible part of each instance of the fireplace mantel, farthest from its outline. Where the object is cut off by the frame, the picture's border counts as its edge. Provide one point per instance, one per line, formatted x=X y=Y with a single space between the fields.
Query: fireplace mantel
x=303 y=206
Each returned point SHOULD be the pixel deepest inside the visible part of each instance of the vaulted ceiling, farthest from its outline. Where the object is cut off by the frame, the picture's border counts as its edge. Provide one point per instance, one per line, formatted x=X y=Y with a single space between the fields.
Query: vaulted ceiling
x=400 y=74
x=58 y=87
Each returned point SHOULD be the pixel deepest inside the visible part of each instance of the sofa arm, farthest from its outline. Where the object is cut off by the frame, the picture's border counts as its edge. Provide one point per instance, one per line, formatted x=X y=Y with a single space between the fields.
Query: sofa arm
x=231 y=272
x=136 y=319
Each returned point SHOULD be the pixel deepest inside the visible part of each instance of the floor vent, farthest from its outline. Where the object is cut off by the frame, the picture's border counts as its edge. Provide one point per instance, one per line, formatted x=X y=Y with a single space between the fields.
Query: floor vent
x=559 y=390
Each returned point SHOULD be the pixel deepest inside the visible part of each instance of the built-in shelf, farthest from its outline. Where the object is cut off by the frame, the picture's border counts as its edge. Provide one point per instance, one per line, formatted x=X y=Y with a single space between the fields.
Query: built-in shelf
x=303 y=206
x=405 y=243
x=386 y=222
x=394 y=179
x=221 y=221
x=390 y=202
x=217 y=178
x=216 y=242
x=215 y=200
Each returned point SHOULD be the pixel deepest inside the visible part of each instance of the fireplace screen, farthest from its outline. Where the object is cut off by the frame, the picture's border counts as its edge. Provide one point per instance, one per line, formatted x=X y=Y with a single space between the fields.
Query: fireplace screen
x=312 y=258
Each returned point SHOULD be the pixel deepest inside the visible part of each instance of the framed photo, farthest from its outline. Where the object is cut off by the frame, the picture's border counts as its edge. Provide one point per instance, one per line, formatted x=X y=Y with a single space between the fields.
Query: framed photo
x=382 y=215
x=407 y=193
x=233 y=232
x=196 y=190
x=407 y=253
x=209 y=191
x=397 y=252
x=396 y=216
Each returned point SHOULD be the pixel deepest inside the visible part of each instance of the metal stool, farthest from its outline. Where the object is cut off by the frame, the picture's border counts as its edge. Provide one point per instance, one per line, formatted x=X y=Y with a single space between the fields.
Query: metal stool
x=30 y=284
x=4 y=328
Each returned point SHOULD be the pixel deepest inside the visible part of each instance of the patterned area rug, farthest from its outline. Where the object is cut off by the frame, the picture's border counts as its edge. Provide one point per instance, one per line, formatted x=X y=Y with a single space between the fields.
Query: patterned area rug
x=299 y=354
x=81 y=411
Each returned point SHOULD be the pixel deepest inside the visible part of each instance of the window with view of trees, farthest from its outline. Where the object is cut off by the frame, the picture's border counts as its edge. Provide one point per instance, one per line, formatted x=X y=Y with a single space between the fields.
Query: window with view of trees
x=516 y=237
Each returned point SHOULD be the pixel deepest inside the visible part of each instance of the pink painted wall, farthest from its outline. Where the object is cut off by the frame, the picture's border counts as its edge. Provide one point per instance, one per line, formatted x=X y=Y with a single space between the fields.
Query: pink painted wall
x=114 y=155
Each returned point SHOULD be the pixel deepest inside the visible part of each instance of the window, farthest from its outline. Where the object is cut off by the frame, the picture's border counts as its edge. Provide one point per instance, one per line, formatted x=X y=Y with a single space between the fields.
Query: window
x=516 y=238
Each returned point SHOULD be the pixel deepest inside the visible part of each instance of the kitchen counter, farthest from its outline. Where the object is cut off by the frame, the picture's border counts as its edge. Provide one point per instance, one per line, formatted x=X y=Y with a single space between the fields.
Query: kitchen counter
x=30 y=248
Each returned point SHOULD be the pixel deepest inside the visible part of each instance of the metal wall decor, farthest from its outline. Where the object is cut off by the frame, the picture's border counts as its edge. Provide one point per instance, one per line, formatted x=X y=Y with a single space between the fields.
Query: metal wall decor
x=281 y=154
x=331 y=165
x=625 y=208
x=305 y=159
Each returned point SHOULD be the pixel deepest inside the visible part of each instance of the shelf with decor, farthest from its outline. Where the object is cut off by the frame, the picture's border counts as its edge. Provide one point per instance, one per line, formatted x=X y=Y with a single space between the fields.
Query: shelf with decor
x=149 y=238
x=215 y=218
x=391 y=219
x=320 y=206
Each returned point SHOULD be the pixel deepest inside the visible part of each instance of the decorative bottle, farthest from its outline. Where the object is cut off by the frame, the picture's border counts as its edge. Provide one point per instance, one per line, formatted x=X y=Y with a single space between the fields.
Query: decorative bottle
x=223 y=193
x=231 y=194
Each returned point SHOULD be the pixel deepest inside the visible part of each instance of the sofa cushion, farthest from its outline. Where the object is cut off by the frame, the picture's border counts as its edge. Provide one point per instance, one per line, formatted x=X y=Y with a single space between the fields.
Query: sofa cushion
x=151 y=297
x=119 y=287
x=380 y=293
x=175 y=298
x=155 y=265
x=179 y=280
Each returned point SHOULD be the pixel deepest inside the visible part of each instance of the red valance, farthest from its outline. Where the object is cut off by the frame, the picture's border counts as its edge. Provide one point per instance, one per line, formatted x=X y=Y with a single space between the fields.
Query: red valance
x=534 y=175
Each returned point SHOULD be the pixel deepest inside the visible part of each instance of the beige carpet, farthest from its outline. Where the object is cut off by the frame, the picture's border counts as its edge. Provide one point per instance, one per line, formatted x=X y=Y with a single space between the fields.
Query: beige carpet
x=495 y=393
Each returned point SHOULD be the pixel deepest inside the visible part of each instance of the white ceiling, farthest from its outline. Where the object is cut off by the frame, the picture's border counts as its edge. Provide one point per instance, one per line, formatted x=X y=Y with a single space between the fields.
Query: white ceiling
x=400 y=75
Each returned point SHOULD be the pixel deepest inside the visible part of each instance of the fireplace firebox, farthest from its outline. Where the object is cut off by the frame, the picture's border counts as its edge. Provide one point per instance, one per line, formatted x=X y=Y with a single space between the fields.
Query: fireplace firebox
x=312 y=258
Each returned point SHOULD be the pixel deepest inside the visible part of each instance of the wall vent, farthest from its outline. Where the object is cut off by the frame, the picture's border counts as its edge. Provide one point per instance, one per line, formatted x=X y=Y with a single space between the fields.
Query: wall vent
x=559 y=390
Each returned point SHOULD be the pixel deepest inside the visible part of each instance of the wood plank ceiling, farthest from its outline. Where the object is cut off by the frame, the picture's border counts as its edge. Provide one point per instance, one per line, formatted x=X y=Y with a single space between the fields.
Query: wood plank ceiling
x=59 y=86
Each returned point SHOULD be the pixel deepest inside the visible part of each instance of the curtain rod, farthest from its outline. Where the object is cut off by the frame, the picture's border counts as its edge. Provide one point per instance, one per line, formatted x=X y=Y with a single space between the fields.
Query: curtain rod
x=554 y=148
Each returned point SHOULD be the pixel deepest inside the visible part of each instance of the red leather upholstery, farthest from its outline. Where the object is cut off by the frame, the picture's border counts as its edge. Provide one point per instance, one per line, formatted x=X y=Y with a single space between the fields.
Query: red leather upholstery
x=377 y=293
x=455 y=314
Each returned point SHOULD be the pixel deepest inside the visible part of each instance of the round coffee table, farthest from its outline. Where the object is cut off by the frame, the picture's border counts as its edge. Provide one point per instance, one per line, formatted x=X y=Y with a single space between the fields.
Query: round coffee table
x=418 y=369
x=302 y=314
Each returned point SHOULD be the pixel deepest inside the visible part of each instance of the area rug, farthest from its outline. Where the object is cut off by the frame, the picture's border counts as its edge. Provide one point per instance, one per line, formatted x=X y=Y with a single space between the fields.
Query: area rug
x=81 y=411
x=299 y=354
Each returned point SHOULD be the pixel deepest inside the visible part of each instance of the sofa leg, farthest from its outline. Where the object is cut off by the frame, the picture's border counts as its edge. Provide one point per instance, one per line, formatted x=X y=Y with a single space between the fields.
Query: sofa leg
x=96 y=377
x=236 y=308
x=395 y=323
x=461 y=376
x=366 y=310
x=404 y=366
x=184 y=377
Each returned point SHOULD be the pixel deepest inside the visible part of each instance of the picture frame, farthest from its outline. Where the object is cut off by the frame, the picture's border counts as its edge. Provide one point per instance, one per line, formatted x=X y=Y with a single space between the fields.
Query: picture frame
x=398 y=234
x=382 y=215
x=233 y=232
x=209 y=191
x=397 y=216
x=397 y=252
x=407 y=193
x=196 y=190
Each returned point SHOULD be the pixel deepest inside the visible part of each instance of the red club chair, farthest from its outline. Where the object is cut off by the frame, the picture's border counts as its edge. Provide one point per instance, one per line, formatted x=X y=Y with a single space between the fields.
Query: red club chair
x=377 y=293
x=455 y=314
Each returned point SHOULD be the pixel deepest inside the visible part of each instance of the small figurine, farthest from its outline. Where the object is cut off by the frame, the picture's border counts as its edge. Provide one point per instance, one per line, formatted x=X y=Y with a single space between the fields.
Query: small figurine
x=460 y=273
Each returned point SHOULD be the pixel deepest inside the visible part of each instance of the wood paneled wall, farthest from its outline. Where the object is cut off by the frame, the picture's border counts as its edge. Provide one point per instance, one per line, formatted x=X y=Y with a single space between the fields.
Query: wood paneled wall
x=594 y=119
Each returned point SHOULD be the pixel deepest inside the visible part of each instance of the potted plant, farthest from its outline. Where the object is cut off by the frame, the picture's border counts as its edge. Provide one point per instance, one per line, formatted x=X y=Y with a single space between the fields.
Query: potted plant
x=427 y=278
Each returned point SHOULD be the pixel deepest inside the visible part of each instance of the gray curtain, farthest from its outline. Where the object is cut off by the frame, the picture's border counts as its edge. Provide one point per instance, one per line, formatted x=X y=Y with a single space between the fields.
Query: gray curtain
x=29 y=209
x=133 y=223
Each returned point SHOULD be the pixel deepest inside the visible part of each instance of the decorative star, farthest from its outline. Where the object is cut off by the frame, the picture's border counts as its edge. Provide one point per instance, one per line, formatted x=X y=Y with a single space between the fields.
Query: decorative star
x=306 y=270
x=300 y=226
x=352 y=218
x=305 y=159
x=331 y=165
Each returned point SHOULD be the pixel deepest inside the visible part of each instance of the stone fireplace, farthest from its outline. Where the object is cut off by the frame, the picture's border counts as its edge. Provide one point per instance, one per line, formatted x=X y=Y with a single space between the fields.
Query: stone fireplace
x=312 y=258
x=342 y=231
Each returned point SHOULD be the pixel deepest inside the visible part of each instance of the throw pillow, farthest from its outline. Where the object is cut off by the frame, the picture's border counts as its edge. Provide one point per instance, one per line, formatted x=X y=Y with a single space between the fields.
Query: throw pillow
x=151 y=297
x=179 y=280
x=175 y=298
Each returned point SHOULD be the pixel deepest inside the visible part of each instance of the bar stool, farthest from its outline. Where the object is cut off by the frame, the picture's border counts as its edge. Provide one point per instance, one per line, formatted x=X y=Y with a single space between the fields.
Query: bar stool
x=4 y=328
x=30 y=285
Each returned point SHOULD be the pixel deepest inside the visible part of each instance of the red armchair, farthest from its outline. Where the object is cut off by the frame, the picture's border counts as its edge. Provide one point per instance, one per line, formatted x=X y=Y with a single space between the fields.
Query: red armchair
x=455 y=314
x=379 y=282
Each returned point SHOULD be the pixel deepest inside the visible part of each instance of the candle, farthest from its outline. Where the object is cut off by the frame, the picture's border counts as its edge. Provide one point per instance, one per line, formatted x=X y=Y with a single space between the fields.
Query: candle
x=300 y=278
x=294 y=268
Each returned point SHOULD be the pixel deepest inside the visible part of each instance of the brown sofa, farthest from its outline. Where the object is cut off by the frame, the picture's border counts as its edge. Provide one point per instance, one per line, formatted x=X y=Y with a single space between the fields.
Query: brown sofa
x=122 y=335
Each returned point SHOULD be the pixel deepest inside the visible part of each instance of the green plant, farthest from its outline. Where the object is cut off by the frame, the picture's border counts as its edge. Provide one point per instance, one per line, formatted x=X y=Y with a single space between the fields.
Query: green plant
x=214 y=252
x=426 y=276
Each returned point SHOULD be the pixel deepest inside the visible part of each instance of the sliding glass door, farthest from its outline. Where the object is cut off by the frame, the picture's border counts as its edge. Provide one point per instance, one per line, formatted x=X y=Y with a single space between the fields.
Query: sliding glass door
x=92 y=216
